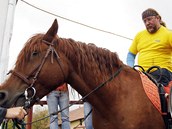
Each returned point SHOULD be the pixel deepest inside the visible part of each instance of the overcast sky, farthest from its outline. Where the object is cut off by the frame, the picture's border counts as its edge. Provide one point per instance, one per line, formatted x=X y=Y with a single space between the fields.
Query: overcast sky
x=121 y=17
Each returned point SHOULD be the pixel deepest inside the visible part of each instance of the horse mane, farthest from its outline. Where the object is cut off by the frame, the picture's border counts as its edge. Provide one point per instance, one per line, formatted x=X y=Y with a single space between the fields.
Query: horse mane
x=100 y=58
x=89 y=56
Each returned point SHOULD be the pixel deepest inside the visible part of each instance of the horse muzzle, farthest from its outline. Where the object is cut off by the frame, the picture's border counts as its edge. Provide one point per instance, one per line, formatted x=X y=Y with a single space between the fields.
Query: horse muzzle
x=6 y=101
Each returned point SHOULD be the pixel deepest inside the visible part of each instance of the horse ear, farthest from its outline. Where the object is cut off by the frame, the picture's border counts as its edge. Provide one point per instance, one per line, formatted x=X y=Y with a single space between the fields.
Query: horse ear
x=51 y=33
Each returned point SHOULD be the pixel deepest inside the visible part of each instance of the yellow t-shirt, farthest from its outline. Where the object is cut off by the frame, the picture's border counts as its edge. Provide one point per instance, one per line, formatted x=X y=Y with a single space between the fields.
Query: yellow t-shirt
x=153 y=49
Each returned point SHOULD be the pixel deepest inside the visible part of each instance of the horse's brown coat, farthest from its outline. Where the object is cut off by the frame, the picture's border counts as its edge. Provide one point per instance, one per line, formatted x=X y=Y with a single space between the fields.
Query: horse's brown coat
x=120 y=104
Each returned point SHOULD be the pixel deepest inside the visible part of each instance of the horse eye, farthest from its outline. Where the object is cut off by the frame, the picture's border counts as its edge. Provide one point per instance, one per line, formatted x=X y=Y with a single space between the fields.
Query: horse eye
x=34 y=53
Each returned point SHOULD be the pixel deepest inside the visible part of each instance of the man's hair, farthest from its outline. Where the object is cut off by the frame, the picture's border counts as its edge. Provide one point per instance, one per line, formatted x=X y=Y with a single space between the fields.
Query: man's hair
x=152 y=12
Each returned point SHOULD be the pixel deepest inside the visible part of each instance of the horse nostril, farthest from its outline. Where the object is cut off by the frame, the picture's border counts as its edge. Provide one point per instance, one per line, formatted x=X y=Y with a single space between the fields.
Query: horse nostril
x=3 y=97
x=3 y=94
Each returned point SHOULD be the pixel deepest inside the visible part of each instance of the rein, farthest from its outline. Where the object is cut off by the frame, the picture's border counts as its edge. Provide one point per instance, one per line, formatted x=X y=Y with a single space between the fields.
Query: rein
x=104 y=83
x=94 y=90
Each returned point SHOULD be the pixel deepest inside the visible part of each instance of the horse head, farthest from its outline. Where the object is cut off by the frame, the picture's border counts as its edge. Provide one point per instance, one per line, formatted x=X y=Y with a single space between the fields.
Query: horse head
x=38 y=70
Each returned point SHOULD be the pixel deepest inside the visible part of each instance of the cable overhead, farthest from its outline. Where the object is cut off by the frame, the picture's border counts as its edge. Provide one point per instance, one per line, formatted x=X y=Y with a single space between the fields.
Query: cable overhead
x=75 y=21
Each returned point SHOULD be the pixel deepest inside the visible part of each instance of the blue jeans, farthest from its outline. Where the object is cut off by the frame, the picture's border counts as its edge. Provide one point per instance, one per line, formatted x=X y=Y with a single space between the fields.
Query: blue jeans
x=88 y=120
x=164 y=78
x=61 y=99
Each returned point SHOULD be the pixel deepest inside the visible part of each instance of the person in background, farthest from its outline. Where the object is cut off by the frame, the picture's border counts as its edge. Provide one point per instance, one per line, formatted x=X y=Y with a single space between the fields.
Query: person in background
x=88 y=109
x=59 y=97
x=154 y=45
x=88 y=115
x=11 y=113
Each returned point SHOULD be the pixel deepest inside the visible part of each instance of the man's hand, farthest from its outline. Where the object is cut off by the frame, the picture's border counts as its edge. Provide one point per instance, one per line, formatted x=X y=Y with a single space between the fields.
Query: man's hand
x=16 y=112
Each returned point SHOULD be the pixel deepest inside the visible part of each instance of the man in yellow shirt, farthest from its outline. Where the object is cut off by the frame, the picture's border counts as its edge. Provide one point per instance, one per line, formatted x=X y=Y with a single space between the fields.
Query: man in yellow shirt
x=153 y=46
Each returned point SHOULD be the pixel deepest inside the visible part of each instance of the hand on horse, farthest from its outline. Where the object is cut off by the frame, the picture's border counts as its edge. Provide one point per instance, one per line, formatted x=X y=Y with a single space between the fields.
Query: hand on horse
x=16 y=112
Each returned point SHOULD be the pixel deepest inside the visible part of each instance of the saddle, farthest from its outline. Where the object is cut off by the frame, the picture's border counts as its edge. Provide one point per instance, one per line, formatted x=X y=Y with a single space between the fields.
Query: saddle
x=165 y=95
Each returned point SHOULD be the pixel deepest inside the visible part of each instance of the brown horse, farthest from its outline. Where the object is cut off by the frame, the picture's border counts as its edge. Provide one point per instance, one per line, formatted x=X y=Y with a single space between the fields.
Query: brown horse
x=46 y=61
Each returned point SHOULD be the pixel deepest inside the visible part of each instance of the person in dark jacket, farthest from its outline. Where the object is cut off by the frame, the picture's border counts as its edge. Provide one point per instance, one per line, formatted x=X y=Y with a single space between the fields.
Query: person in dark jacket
x=10 y=113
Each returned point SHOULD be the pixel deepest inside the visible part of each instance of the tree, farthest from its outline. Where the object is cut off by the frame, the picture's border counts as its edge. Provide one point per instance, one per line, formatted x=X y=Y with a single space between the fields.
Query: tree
x=38 y=115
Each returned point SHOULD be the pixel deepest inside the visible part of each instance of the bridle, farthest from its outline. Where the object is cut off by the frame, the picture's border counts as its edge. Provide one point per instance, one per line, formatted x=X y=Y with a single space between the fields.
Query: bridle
x=30 y=82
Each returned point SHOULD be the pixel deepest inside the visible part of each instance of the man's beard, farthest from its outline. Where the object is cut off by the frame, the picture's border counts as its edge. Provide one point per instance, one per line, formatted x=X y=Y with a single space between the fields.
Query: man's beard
x=152 y=29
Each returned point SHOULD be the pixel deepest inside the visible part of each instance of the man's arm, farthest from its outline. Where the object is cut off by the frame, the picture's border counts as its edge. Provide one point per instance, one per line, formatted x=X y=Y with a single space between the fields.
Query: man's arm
x=16 y=112
x=130 y=59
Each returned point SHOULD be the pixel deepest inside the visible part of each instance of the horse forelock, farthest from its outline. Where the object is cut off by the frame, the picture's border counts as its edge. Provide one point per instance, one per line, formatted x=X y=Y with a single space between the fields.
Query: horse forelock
x=32 y=44
x=89 y=56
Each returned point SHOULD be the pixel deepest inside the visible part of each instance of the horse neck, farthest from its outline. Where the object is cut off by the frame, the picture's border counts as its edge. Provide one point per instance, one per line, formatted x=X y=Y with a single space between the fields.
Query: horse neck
x=87 y=73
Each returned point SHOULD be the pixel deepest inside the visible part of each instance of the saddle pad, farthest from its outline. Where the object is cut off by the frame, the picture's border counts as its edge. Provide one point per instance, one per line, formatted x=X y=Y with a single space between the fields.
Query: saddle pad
x=151 y=91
